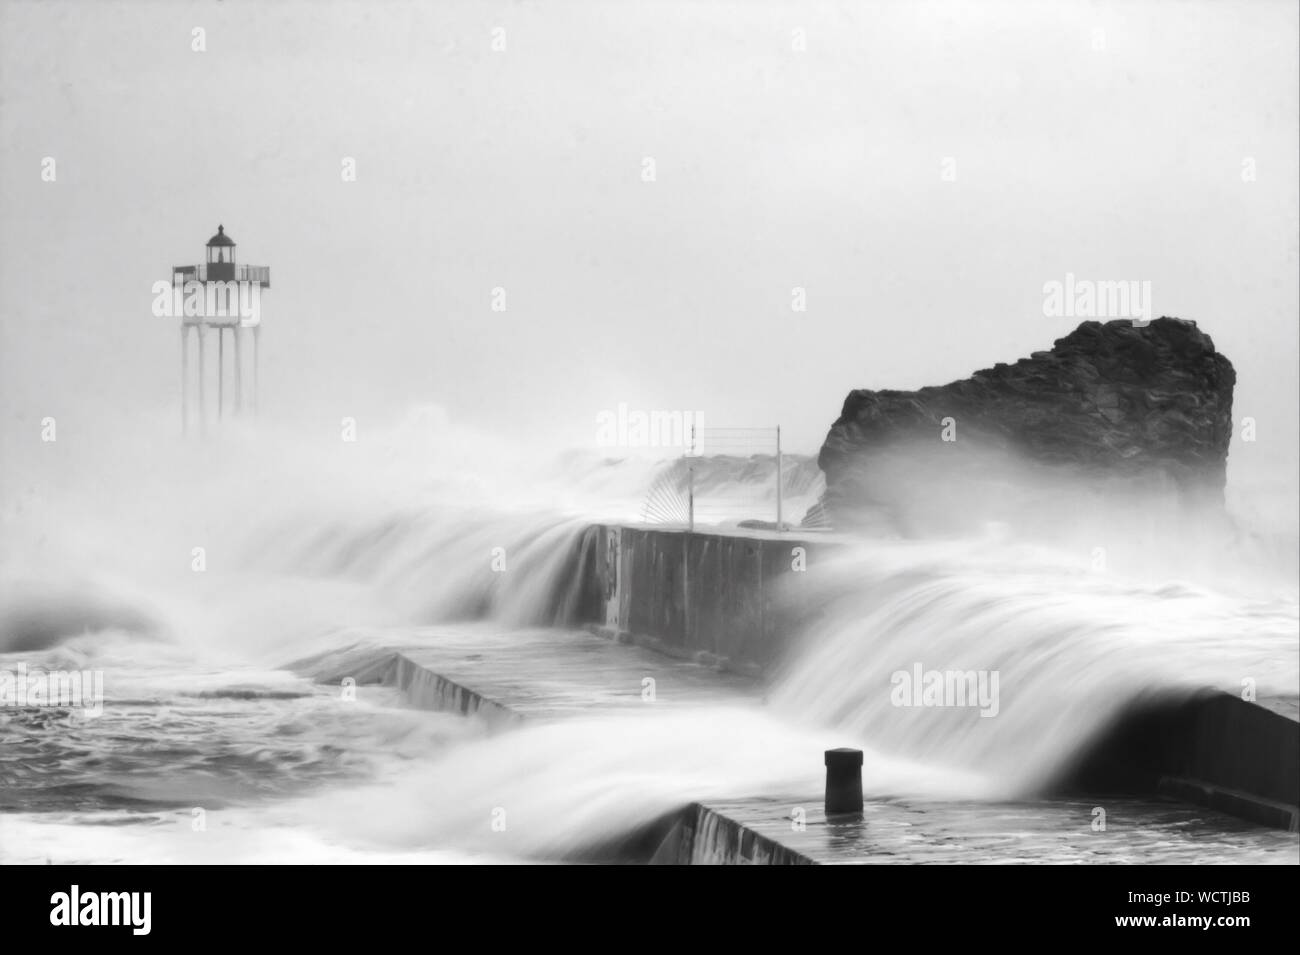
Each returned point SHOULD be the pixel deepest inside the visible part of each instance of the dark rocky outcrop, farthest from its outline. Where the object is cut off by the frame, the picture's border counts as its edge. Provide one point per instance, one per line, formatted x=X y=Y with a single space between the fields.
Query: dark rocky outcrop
x=1110 y=402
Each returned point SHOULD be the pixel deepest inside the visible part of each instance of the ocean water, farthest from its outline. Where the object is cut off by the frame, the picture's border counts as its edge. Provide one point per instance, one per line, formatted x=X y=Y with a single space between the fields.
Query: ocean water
x=195 y=577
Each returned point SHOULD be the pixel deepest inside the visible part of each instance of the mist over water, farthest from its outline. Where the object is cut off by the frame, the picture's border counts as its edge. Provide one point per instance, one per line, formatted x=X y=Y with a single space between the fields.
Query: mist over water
x=311 y=544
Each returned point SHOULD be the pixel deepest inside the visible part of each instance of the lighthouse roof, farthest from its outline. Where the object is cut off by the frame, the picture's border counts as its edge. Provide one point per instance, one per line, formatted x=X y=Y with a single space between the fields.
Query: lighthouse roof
x=221 y=238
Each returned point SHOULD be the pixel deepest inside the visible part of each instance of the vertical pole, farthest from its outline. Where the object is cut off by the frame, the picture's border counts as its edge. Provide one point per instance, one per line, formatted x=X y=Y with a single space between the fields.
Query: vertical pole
x=239 y=376
x=221 y=370
x=185 y=380
x=257 y=364
x=203 y=414
x=778 y=477
x=690 y=487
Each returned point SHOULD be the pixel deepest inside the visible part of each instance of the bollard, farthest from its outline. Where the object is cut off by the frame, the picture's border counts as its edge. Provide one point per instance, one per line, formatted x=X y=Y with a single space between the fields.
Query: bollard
x=843 y=781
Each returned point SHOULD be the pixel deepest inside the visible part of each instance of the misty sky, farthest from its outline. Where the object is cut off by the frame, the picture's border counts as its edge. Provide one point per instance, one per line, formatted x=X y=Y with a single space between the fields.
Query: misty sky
x=522 y=169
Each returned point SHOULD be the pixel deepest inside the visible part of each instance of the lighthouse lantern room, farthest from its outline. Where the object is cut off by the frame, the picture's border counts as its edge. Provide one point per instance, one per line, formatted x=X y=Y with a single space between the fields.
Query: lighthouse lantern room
x=221 y=257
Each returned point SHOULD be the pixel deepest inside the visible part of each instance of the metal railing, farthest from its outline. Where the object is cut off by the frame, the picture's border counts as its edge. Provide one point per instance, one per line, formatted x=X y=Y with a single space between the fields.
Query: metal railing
x=726 y=474
x=261 y=274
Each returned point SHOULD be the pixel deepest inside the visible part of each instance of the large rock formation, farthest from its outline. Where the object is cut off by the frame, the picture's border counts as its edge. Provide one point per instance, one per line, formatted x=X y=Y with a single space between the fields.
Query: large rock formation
x=1111 y=406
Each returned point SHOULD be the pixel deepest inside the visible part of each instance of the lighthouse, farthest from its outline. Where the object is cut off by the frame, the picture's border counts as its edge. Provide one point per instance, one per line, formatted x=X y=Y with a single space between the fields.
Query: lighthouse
x=222 y=296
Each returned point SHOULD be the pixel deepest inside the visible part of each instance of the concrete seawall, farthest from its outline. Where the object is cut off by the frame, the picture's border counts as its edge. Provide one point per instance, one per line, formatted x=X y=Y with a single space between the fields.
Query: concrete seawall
x=717 y=598
x=710 y=597
x=705 y=835
x=1209 y=748
x=506 y=680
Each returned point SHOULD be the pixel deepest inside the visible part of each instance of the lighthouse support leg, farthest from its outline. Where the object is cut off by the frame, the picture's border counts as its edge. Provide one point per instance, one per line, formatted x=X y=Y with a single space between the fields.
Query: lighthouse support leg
x=203 y=413
x=257 y=362
x=239 y=378
x=185 y=381
x=221 y=371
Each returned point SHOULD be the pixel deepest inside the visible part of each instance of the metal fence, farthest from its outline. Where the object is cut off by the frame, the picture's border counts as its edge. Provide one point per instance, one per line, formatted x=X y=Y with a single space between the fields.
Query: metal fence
x=736 y=475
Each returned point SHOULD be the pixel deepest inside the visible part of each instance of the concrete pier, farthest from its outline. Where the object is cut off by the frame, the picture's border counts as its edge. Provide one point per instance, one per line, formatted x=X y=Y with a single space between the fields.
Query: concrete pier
x=710 y=597
x=1209 y=748
x=717 y=598
x=505 y=678
x=698 y=615
x=1053 y=832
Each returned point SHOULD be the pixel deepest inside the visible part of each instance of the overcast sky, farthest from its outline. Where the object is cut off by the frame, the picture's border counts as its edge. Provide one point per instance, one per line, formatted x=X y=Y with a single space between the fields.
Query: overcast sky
x=1113 y=155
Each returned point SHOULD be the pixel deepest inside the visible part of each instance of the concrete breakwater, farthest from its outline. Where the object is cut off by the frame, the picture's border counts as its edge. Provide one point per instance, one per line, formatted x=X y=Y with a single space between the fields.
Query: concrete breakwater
x=511 y=681
x=1209 y=748
x=718 y=598
x=507 y=680
x=711 y=597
